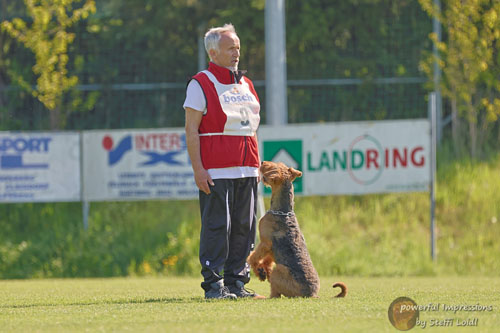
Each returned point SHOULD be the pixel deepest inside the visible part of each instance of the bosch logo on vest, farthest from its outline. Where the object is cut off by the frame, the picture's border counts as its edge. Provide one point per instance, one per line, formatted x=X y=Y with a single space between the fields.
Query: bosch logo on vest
x=157 y=147
x=366 y=159
x=238 y=99
x=12 y=151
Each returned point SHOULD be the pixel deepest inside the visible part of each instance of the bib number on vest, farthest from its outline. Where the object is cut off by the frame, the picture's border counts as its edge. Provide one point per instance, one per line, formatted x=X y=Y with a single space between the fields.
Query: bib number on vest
x=245 y=118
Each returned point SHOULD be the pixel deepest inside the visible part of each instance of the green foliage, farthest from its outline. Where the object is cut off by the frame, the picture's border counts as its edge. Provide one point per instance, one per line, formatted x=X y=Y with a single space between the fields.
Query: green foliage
x=375 y=235
x=470 y=63
x=152 y=41
x=48 y=38
x=48 y=240
x=354 y=38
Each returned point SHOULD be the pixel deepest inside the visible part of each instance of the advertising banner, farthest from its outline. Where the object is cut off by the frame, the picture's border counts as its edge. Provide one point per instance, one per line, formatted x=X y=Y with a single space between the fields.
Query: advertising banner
x=39 y=167
x=353 y=157
x=137 y=165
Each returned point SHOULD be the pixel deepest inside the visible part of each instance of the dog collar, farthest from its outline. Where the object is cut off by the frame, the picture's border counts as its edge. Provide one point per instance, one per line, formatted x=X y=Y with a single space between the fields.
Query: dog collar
x=278 y=212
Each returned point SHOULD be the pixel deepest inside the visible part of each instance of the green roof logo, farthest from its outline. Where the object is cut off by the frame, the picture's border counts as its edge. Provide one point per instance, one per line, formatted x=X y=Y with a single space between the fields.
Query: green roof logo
x=288 y=152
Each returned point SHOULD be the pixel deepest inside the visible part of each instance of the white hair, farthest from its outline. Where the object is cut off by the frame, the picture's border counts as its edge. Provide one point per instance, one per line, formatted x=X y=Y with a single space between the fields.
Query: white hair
x=212 y=37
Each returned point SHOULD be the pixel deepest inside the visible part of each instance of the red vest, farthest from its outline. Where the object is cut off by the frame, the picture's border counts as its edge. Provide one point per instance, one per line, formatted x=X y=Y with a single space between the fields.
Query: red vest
x=228 y=142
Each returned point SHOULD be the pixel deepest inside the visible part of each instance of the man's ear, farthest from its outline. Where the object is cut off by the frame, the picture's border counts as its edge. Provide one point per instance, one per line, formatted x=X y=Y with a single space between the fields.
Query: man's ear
x=212 y=53
x=294 y=173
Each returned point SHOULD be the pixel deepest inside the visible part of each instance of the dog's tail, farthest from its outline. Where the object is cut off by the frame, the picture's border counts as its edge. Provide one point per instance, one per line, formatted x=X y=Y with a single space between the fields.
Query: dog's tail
x=342 y=286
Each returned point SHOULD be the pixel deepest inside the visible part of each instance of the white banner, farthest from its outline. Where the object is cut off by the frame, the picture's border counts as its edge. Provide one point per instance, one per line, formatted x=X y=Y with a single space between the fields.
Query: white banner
x=39 y=167
x=353 y=157
x=335 y=158
x=137 y=165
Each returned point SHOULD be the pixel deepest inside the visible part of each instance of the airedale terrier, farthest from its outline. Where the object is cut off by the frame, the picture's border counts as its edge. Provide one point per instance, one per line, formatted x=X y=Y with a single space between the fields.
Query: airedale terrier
x=282 y=242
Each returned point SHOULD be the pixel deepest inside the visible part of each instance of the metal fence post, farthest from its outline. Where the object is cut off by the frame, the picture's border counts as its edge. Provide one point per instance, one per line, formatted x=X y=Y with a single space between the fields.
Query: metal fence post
x=85 y=214
x=202 y=55
x=276 y=85
x=85 y=203
x=436 y=28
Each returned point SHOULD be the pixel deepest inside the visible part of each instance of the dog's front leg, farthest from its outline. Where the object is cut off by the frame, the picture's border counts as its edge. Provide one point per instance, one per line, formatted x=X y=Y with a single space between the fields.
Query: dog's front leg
x=266 y=267
x=255 y=258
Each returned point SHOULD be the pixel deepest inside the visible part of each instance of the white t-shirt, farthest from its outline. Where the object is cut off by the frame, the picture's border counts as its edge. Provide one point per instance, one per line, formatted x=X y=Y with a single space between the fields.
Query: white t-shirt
x=195 y=99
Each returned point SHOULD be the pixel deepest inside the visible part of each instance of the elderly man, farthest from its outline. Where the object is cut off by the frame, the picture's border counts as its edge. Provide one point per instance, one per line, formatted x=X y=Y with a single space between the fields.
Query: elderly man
x=222 y=117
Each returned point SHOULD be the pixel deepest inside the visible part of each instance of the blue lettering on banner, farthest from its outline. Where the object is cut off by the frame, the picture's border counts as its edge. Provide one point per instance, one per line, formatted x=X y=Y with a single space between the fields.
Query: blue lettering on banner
x=21 y=188
x=132 y=175
x=187 y=192
x=163 y=193
x=157 y=147
x=27 y=187
x=158 y=184
x=135 y=193
x=16 y=178
x=164 y=183
x=13 y=149
x=157 y=175
x=113 y=184
x=21 y=145
x=17 y=196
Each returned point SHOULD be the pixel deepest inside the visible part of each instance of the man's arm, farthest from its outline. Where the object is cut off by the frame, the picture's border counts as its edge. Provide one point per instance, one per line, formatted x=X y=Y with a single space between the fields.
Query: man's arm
x=201 y=176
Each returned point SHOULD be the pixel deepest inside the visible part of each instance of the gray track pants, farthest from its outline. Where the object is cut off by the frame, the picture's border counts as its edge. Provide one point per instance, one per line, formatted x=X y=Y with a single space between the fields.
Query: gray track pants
x=228 y=224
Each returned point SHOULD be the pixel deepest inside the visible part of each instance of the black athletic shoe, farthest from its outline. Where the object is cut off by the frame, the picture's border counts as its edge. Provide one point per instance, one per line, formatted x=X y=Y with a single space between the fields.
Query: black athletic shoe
x=218 y=291
x=238 y=289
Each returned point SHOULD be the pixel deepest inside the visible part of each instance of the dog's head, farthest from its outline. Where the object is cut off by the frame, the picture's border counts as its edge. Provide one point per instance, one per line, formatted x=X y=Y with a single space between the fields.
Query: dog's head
x=274 y=174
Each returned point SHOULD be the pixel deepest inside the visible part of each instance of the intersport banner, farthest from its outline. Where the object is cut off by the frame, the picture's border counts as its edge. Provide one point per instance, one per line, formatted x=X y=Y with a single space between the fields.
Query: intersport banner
x=39 y=167
x=137 y=165
x=353 y=157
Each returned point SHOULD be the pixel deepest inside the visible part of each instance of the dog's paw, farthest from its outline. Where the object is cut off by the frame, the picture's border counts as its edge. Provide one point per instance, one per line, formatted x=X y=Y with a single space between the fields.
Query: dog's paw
x=261 y=273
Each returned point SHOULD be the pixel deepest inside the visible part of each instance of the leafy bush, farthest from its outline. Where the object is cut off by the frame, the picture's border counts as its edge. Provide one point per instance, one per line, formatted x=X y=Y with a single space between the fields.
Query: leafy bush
x=48 y=240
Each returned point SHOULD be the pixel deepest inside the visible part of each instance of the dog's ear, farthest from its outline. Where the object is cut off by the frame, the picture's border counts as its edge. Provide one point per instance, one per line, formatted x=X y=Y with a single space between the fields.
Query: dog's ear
x=294 y=173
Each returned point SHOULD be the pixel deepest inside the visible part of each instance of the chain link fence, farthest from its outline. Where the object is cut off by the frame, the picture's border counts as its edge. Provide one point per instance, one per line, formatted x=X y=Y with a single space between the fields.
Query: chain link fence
x=333 y=77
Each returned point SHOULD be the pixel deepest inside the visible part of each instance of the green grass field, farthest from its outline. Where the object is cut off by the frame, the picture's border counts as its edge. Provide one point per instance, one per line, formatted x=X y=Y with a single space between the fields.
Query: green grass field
x=176 y=305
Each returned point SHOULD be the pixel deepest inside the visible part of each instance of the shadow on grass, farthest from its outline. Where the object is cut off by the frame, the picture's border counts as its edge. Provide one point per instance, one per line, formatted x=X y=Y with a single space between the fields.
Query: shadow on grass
x=176 y=300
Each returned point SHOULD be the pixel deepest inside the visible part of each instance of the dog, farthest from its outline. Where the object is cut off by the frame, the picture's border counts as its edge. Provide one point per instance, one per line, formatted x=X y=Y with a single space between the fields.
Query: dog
x=282 y=255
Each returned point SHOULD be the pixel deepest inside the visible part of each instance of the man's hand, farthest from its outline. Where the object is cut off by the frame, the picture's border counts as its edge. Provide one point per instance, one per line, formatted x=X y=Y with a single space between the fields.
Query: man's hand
x=203 y=180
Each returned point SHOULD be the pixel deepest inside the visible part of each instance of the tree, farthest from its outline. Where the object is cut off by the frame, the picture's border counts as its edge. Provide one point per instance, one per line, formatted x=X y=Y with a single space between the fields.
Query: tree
x=48 y=37
x=470 y=63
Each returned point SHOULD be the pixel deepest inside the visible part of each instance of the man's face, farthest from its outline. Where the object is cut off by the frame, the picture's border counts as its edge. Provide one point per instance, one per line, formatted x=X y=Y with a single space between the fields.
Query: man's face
x=229 y=51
